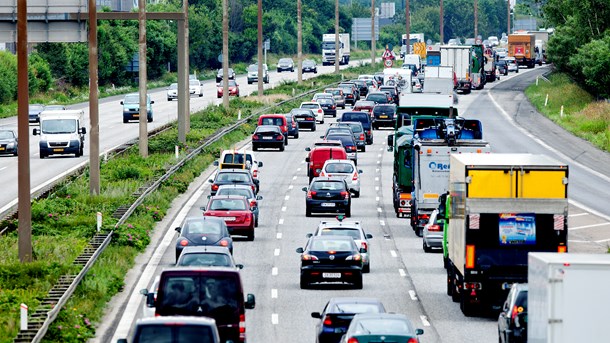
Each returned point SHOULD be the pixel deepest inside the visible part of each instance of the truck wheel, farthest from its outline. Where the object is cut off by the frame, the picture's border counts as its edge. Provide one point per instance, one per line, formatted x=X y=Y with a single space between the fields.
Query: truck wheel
x=449 y=286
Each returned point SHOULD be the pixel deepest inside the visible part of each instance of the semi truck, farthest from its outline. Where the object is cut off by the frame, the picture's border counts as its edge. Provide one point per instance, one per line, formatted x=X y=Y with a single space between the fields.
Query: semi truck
x=522 y=48
x=61 y=132
x=329 y=51
x=501 y=207
x=458 y=57
x=567 y=297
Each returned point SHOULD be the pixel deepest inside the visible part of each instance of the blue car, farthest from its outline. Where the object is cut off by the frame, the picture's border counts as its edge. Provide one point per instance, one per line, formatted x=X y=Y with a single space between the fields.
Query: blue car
x=202 y=231
x=293 y=126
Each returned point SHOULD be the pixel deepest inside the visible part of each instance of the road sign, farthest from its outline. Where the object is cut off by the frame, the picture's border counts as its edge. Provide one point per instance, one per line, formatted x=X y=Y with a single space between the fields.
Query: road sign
x=388 y=63
x=267 y=44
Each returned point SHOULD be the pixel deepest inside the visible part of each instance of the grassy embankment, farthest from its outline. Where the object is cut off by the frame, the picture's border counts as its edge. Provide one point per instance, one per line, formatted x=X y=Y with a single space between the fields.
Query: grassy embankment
x=63 y=223
x=582 y=115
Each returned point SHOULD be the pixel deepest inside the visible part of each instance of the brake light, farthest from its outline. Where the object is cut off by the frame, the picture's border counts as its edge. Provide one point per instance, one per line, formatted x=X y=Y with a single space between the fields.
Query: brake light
x=356 y=257
x=279 y=138
x=284 y=128
x=352 y=340
x=307 y=257
x=434 y=228
x=364 y=246
x=253 y=188
x=184 y=242
x=254 y=137
x=345 y=194
x=369 y=132
x=334 y=107
x=255 y=173
x=470 y=256
x=294 y=124
x=248 y=218
x=562 y=249
x=253 y=203
x=242 y=327
x=362 y=136
x=214 y=187
x=355 y=177
x=328 y=321
x=322 y=173
x=224 y=243
x=423 y=216
x=412 y=340
x=310 y=194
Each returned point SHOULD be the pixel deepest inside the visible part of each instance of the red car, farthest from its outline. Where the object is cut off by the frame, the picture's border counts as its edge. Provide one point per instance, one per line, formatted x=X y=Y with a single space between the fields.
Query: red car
x=233 y=89
x=235 y=211
x=364 y=106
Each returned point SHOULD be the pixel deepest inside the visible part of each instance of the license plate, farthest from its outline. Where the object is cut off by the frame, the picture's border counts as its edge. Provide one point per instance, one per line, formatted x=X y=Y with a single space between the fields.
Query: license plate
x=300 y=119
x=136 y=115
x=58 y=150
x=331 y=275
x=267 y=137
x=228 y=219
x=383 y=117
x=328 y=204
x=1 y=149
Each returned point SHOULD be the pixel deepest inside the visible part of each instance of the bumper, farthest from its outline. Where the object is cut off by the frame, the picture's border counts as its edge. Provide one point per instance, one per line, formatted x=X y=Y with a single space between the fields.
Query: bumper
x=331 y=112
x=72 y=148
x=350 y=274
x=433 y=240
x=383 y=122
x=293 y=132
x=306 y=123
x=135 y=116
x=281 y=69
x=310 y=70
x=6 y=151
x=352 y=156
x=172 y=96
x=268 y=144
x=321 y=206
x=237 y=229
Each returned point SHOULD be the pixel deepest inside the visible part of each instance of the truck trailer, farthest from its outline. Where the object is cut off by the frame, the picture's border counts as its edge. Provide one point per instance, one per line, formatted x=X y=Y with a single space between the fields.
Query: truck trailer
x=328 y=49
x=458 y=57
x=501 y=207
x=522 y=47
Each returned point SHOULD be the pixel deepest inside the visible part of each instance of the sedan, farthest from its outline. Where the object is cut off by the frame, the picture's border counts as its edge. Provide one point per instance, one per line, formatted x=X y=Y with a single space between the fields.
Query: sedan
x=220 y=72
x=512 y=64
x=337 y=95
x=8 y=142
x=379 y=97
x=433 y=232
x=357 y=131
x=328 y=106
x=233 y=89
x=381 y=327
x=316 y=108
x=305 y=118
x=338 y=314
x=309 y=66
x=232 y=177
x=206 y=256
x=198 y=231
x=364 y=106
x=172 y=92
x=328 y=195
x=347 y=139
x=195 y=88
x=502 y=67
x=512 y=321
x=330 y=259
x=236 y=213
x=268 y=136
x=34 y=112
x=243 y=190
x=345 y=169
x=285 y=64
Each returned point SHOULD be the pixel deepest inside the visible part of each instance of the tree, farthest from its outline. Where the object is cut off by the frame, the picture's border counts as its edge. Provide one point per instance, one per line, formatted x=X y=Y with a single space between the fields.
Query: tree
x=593 y=61
x=8 y=75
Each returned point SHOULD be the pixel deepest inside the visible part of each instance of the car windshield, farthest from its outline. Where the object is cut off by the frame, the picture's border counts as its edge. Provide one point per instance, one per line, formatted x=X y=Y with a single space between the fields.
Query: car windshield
x=161 y=333
x=58 y=126
x=339 y=168
x=205 y=259
x=233 y=177
x=384 y=326
x=235 y=191
x=356 y=308
x=327 y=186
x=132 y=99
x=285 y=61
x=36 y=108
x=332 y=245
x=354 y=116
x=253 y=67
x=227 y=204
x=376 y=97
x=173 y=86
x=310 y=106
x=194 y=83
x=356 y=128
x=6 y=135
x=308 y=63
x=203 y=227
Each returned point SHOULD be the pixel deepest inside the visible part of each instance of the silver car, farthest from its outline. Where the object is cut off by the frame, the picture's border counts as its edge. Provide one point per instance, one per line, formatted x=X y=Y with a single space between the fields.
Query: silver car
x=172 y=92
x=337 y=95
x=347 y=228
x=148 y=309
x=345 y=169
x=433 y=232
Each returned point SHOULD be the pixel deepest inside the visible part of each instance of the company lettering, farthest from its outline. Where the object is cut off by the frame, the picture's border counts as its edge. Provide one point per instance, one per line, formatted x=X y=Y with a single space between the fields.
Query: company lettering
x=434 y=166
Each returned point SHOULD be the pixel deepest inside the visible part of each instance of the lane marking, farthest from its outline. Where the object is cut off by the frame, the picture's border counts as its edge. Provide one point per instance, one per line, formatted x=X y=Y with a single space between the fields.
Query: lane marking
x=588 y=226
x=412 y=295
x=284 y=209
x=299 y=169
x=278 y=235
x=393 y=253
x=3 y=168
x=376 y=188
x=378 y=155
x=603 y=240
x=424 y=320
x=376 y=178
x=377 y=199
x=276 y=252
x=377 y=170
x=381 y=149
x=578 y=214
x=303 y=161
x=578 y=241
x=274 y=293
x=281 y=221
x=382 y=223
x=274 y=271
x=287 y=197
x=274 y=318
x=402 y=272
x=379 y=209
x=294 y=177
x=378 y=162
x=290 y=187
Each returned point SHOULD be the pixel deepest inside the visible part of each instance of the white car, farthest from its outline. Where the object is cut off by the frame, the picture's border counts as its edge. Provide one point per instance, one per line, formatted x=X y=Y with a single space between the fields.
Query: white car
x=148 y=311
x=512 y=64
x=366 y=77
x=195 y=88
x=172 y=92
x=345 y=169
x=316 y=108
x=433 y=232
x=253 y=73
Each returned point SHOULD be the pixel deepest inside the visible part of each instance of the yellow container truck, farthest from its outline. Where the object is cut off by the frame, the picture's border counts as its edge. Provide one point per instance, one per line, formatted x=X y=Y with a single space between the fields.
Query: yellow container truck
x=522 y=47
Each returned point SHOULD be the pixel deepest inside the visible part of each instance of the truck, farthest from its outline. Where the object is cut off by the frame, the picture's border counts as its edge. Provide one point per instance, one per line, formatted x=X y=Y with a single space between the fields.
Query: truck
x=413 y=38
x=567 y=297
x=501 y=207
x=433 y=56
x=328 y=49
x=489 y=58
x=541 y=38
x=61 y=132
x=522 y=48
x=477 y=69
x=439 y=79
x=458 y=57
x=412 y=62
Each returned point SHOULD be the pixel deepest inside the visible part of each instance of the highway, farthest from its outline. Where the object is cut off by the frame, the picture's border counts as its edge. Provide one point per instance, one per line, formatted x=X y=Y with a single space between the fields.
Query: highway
x=403 y=277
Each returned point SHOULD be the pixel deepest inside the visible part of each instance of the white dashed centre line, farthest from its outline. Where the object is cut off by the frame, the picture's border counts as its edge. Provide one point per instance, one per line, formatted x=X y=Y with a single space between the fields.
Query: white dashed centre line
x=284 y=209
x=3 y=168
x=287 y=197
x=281 y=221
x=274 y=318
x=380 y=149
x=303 y=162
x=400 y=271
x=377 y=199
x=378 y=155
x=382 y=223
x=376 y=188
x=379 y=209
x=377 y=170
x=376 y=178
x=294 y=177
x=424 y=320
x=276 y=252
x=278 y=235
x=274 y=271
x=290 y=187
x=393 y=253
x=412 y=295
x=298 y=169
x=378 y=162
x=578 y=214
x=274 y=293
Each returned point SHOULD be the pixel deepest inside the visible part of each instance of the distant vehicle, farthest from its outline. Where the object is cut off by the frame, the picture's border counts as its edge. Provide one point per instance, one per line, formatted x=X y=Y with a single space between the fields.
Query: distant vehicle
x=285 y=64
x=148 y=309
x=328 y=106
x=309 y=66
x=55 y=108
x=293 y=126
x=34 y=112
x=233 y=89
x=347 y=139
x=330 y=54
x=253 y=73
x=370 y=327
x=338 y=314
x=205 y=256
x=350 y=228
x=350 y=93
x=220 y=72
x=195 y=88
x=275 y=119
x=493 y=40
x=523 y=48
x=319 y=154
x=174 y=329
x=322 y=95
x=172 y=92
x=236 y=212
x=512 y=321
x=362 y=117
x=502 y=66
x=512 y=64
x=379 y=97
x=131 y=107
x=202 y=231
x=454 y=41
x=337 y=95
x=230 y=177
x=61 y=133
x=8 y=142
x=364 y=106
x=417 y=88
x=328 y=195
x=501 y=52
x=357 y=131
x=384 y=115
x=433 y=232
x=305 y=117
x=361 y=86
x=268 y=136
x=316 y=108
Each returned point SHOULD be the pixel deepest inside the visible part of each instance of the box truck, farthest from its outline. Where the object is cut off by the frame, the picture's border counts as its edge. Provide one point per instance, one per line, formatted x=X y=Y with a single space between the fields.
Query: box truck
x=61 y=132
x=458 y=57
x=522 y=47
x=328 y=49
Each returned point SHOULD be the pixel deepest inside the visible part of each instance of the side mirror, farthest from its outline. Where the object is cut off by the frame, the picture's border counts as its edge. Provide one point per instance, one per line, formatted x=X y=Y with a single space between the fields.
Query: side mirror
x=360 y=171
x=317 y=315
x=215 y=163
x=306 y=158
x=209 y=196
x=300 y=250
x=211 y=181
x=322 y=137
x=250 y=301
x=339 y=120
x=122 y=102
x=239 y=266
x=309 y=235
x=362 y=250
x=202 y=208
x=144 y=291
x=150 y=299
x=368 y=236
x=391 y=141
x=121 y=340
x=83 y=130
x=260 y=164
x=259 y=197
x=419 y=331
x=36 y=132
x=152 y=102
x=178 y=229
x=308 y=149
x=304 y=189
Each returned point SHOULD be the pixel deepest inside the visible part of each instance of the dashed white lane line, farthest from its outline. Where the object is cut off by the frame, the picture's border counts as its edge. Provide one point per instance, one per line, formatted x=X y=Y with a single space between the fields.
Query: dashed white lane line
x=274 y=293
x=376 y=178
x=281 y=221
x=294 y=177
x=378 y=162
x=290 y=187
x=393 y=253
x=402 y=272
x=3 y=168
x=382 y=223
x=377 y=170
x=377 y=199
x=303 y=162
x=287 y=197
x=378 y=155
x=278 y=235
x=274 y=271
x=376 y=188
x=274 y=319
x=603 y=240
x=298 y=169
x=284 y=209
x=380 y=149
x=276 y=252
x=379 y=209
x=424 y=320
x=588 y=226
x=412 y=295
x=578 y=214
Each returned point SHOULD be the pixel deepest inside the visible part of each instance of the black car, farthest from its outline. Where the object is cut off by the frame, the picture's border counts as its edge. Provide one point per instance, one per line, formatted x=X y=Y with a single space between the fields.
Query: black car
x=338 y=313
x=393 y=90
x=309 y=66
x=384 y=115
x=379 y=77
x=293 y=126
x=285 y=64
x=502 y=67
x=268 y=136
x=328 y=195
x=34 y=111
x=199 y=231
x=362 y=87
x=355 y=87
x=350 y=94
x=328 y=106
x=349 y=144
x=379 y=97
x=512 y=321
x=8 y=142
x=331 y=259
x=365 y=119
x=230 y=73
x=305 y=117
x=337 y=129
x=232 y=177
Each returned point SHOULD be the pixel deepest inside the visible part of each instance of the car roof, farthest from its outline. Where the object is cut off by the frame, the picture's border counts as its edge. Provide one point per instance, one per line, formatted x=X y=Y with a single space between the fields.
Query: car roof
x=176 y=320
x=354 y=300
x=332 y=237
x=206 y=249
x=243 y=171
x=327 y=178
x=235 y=185
x=221 y=197
x=202 y=218
x=266 y=127
x=338 y=161
x=199 y=269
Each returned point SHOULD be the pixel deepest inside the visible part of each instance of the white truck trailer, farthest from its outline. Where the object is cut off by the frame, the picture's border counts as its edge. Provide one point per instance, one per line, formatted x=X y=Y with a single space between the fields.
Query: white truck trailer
x=439 y=80
x=568 y=297
x=328 y=49
x=458 y=57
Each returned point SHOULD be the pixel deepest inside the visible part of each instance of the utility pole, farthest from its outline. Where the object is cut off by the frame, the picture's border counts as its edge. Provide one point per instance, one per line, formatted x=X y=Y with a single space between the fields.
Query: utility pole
x=442 y=24
x=143 y=141
x=299 y=43
x=94 y=118
x=337 y=36
x=476 y=19
x=183 y=77
x=507 y=17
x=24 y=206
x=373 y=33
x=260 y=48
x=225 y=54
x=408 y=20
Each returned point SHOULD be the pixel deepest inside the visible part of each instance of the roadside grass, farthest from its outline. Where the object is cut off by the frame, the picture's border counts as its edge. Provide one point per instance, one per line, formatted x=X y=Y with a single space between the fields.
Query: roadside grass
x=63 y=223
x=583 y=116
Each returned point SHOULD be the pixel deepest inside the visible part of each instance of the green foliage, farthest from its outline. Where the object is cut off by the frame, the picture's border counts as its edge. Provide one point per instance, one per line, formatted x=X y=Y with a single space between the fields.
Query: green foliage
x=39 y=74
x=8 y=75
x=593 y=61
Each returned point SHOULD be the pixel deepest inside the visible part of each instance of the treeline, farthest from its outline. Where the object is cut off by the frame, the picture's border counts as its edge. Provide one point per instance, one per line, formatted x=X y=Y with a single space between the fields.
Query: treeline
x=581 y=42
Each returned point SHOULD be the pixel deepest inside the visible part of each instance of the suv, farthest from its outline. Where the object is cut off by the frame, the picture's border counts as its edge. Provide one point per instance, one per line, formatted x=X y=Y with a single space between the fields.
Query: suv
x=285 y=64
x=362 y=117
x=345 y=169
x=384 y=115
x=392 y=90
x=253 y=73
x=337 y=95
x=357 y=131
x=131 y=107
x=277 y=120
x=512 y=321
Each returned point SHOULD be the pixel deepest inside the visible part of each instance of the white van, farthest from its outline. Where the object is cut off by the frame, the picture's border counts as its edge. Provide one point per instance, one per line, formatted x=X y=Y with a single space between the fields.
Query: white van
x=61 y=132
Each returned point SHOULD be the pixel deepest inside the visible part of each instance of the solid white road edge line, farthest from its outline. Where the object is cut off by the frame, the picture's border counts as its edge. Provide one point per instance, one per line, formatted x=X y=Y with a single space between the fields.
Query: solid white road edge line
x=424 y=320
x=402 y=272
x=393 y=253
x=587 y=226
x=578 y=214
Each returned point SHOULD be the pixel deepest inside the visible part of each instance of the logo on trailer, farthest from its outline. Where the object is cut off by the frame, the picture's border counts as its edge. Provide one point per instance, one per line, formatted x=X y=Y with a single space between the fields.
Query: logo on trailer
x=438 y=166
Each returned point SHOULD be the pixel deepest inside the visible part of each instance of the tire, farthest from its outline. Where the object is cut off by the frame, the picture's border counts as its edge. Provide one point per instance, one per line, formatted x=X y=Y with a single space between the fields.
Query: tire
x=149 y=120
x=348 y=212
x=282 y=148
x=419 y=232
x=313 y=128
x=256 y=222
x=449 y=286
x=426 y=247
x=517 y=70
x=357 y=194
x=125 y=121
x=249 y=82
x=250 y=236
x=254 y=147
x=322 y=122
x=307 y=210
x=367 y=268
x=42 y=156
x=200 y=95
x=286 y=141
x=358 y=283
x=296 y=136
x=467 y=308
x=364 y=148
x=168 y=99
x=304 y=282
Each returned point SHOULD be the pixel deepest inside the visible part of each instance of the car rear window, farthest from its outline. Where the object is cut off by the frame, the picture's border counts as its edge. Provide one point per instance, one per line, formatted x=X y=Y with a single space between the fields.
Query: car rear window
x=341 y=231
x=272 y=121
x=521 y=299
x=205 y=260
x=361 y=117
x=339 y=168
x=332 y=244
x=356 y=308
x=327 y=186
x=345 y=139
x=384 y=109
x=233 y=177
x=235 y=191
x=162 y=333
x=310 y=106
x=384 y=326
x=267 y=129
x=227 y=204
x=199 y=227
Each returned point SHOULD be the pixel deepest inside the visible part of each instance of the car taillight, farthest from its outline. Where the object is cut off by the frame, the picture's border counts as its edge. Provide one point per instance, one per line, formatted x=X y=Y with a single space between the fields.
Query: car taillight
x=368 y=132
x=253 y=203
x=320 y=111
x=356 y=257
x=333 y=107
x=253 y=188
x=328 y=321
x=355 y=177
x=351 y=148
x=352 y=340
x=184 y=242
x=345 y=194
x=412 y=340
x=254 y=137
x=242 y=327
x=255 y=173
x=311 y=119
x=224 y=243
x=322 y=173
x=284 y=128
x=214 y=187
x=364 y=246
x=310 y=194
x=434 y=228
x=307 y=257
x=279 y=138
x=294 y=124
x=248 y=218
x=362 y=136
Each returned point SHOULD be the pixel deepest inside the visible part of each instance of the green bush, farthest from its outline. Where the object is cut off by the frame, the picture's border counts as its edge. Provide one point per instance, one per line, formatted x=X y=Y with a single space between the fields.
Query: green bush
x=8 y=75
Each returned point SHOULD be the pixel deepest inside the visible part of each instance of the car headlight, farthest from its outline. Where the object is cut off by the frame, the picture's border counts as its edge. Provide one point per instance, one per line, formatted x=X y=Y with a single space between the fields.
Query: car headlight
x=10 y=145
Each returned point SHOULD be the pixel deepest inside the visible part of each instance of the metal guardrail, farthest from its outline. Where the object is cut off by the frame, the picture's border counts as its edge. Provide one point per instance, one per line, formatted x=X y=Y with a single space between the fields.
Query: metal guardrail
x=58 y=296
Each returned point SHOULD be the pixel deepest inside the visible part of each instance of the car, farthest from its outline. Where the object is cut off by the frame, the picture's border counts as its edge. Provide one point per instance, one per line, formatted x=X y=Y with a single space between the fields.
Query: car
x=320 y=153
x=174 y=329
x=361 y=86
x=364 y=106
x=198 y=231
x=328 y=195
x=55 y=108
x=337 y=95
x=305 y=117
x=328 y=106
x=365 y=77
x=416 y=86
x=454 y=41
x=502 y=67
x=338 y=313
x=433 y=232
x=504 y=40
x=325 y=142
x=204 y=256
x=148 y=309
x=330 y=259
x=345 y=169
x=293 y=126
x=316 y=108
x=243 y=190
x=493 y=40
x=268 y=137
x=379 y=77
x=8 y=142
x=337 y=129
x=512 y=321
x=34 y=111
x=231 y=177
x=235 y=210
x=384 y=115
x=277 y=120
x=364 y=118
x=381 y=327
x=285 y=64
x=349 y=90
x=379 y=97
x=253 y=73
x=322 y=95
x=230 y=73
x=172 y=92
x=233 y=89
x=195 y=88
x=240 y=159
x=512 y=64
x=309 y=66
x=131 y=107
x=357 y=132
x=372 y=85
x=393 y=91
x=347 y=139
x=501 y=52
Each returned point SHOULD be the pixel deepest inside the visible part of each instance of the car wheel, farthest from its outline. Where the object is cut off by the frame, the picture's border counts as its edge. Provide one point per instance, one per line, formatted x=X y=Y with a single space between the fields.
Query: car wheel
x=467 y=308
x=425 y=246
x=366 y=268
x=307 y=210
x=149 y=120
x=16 y=153
x=356 y=194
x=254 y=147
x=125 y=121
x=304 y=282
x=250 y=236
x=322 y=122
x=200 y=95
x=169 y=99
x=42 y=156
x=364 y=148
x=296 y=136
x=358 y=283
x=348 y=212
x=449 y=286
x=419 y=232
x=282 y=147
x=313 y=128
x=286 y=140
x=256 y=222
